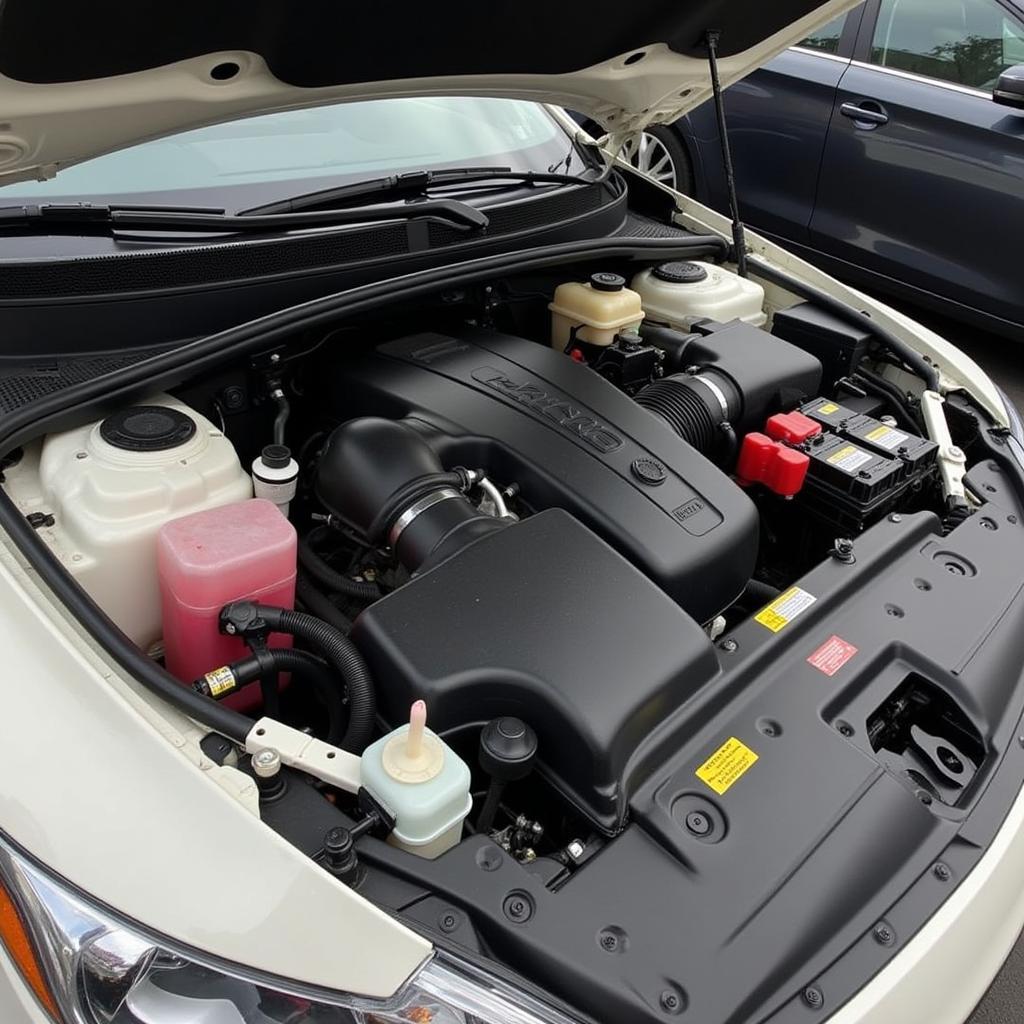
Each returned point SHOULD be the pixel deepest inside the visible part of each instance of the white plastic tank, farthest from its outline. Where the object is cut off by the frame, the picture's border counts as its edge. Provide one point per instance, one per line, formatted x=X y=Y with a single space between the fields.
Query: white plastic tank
x=102 y=491
x=678 y=294
x=593 y=311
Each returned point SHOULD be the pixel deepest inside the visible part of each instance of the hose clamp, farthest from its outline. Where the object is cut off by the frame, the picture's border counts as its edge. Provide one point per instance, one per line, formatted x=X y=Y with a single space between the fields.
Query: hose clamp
x=416 y=509
x=716 y=391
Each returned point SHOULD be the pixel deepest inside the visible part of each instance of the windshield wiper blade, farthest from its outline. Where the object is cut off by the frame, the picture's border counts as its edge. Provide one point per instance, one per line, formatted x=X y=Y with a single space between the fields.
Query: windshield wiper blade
x=411 y=183
x=87 y=218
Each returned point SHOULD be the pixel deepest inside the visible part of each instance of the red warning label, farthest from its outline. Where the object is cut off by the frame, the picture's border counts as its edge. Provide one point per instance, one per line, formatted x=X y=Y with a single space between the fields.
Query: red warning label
x=832 y=655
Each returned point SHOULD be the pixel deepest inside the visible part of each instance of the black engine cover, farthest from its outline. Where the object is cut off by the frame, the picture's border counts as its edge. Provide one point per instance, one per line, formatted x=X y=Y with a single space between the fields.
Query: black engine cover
x=544 y=621
x=571 y=440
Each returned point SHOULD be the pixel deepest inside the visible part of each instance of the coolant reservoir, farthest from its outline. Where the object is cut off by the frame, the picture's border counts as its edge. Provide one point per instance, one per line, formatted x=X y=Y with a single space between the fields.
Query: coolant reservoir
x=678 y=294
x=102 y=491
x=423 y=782
x=593 y=312
x=244 y=551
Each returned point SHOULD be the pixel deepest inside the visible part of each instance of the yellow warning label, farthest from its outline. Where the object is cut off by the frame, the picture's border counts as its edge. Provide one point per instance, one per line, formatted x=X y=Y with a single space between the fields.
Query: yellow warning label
x=849 y=458
x=828 y=408
x=784 y=609
x=726 y=765
x=220 y=680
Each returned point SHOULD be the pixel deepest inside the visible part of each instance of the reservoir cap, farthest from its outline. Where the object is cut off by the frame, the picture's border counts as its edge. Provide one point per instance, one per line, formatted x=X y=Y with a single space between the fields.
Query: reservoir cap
x=147 y=428
x=680 y=273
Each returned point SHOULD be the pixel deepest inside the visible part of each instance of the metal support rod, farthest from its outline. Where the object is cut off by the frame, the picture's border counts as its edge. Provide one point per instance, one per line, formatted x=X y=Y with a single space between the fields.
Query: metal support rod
x=738 y=236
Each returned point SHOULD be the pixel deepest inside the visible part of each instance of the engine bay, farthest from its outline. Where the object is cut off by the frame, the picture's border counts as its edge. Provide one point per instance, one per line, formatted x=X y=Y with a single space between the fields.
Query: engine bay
x=500 y=546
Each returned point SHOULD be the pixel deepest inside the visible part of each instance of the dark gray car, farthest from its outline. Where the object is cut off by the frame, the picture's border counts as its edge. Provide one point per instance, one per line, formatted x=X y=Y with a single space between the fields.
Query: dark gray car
x=877 y=149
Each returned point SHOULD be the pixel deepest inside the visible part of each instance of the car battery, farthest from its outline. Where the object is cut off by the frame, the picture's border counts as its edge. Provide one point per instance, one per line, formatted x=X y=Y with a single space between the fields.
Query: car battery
x=916 y=454
x=860 y=468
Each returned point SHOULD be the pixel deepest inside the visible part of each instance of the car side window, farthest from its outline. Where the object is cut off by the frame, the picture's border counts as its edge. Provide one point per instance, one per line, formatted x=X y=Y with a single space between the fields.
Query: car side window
x=969 y=42
x=826 y=39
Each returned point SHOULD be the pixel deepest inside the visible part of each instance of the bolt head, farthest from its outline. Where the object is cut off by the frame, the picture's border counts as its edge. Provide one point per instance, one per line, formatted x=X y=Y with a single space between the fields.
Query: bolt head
x=884 y=935
x=729 y=646
x=575 y=849
x=942 y=872
x=698 y=823
x=813 y=997
x=895 y=518
x=266 y=763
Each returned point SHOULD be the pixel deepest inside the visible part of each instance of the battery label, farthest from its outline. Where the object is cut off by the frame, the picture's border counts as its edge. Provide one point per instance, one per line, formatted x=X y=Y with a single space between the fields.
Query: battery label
x=828 y=408
x=888 y=437
x=784 y=609
x=850 y=458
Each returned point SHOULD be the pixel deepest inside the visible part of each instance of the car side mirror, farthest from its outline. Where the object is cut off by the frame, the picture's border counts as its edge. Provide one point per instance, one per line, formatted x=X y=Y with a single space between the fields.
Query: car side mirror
x=1010 y=90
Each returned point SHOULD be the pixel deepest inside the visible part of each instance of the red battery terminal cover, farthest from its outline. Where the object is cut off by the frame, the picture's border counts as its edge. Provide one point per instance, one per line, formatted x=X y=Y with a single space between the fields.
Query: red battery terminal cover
x=791 y=427
x=765 y=461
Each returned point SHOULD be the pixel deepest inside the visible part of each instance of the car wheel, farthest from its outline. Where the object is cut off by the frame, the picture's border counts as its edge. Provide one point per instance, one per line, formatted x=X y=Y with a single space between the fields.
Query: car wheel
x=659 y=153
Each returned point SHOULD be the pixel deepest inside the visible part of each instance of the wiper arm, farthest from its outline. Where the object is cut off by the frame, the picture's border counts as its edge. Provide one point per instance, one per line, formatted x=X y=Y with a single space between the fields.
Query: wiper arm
x=411 y=183
x=87 y=218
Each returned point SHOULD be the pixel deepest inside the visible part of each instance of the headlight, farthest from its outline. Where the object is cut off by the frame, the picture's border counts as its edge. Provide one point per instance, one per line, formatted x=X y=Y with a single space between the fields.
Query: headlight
x=87 y=966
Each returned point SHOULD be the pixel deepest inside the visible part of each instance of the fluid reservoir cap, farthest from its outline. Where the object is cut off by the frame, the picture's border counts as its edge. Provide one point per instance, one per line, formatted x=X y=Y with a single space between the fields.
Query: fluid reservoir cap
x=147 y=428
x=508 y=747
x=680 y=273
x=276 y=456
x=605 y=282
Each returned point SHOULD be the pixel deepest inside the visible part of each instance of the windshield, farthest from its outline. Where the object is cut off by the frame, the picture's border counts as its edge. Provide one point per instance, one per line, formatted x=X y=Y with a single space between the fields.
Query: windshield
x=259 y=159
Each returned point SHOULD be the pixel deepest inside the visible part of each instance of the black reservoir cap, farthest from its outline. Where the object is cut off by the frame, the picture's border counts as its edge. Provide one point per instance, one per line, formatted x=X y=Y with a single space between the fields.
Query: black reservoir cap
x=148 y=428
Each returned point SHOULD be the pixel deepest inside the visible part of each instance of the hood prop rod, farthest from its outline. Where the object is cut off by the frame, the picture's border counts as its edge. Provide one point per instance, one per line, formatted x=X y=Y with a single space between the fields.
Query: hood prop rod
x=738 y=236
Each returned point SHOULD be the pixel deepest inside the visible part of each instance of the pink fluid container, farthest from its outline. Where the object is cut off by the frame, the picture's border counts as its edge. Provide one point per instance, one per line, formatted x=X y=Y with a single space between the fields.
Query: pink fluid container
x=244 y=551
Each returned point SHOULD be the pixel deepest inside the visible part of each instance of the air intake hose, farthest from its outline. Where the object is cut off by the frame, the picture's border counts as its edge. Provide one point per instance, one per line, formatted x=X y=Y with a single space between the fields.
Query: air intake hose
x=699 y=407
x=383 y=478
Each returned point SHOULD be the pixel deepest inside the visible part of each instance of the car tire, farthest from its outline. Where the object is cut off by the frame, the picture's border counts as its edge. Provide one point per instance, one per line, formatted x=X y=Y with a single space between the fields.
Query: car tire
x=661 y=154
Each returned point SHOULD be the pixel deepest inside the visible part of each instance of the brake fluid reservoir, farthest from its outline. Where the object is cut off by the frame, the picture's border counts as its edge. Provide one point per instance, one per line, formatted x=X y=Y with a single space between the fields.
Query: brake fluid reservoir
x=678 y=294
x=102 y=491
x=593 y=312
x=423 y=782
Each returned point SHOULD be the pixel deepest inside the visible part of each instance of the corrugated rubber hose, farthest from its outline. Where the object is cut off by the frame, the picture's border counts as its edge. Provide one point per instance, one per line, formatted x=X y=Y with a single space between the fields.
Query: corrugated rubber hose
x=344 y=656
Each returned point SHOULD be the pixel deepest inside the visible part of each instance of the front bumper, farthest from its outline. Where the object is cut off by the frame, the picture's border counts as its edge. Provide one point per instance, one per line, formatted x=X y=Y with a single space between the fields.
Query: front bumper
x=945 y=970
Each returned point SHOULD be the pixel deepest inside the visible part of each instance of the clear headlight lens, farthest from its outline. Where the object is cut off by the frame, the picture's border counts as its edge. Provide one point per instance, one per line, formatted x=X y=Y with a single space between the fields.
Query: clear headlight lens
x=86 y=966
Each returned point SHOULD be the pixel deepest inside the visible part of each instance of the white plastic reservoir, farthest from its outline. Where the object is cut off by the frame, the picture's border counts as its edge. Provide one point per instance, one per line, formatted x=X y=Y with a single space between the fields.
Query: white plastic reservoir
x=102 y=491
x=678 y=294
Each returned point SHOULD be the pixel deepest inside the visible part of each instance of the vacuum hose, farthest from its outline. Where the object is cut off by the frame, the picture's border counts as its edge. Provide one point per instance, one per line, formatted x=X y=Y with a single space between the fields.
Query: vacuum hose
x=327 y=577
x=246 y=618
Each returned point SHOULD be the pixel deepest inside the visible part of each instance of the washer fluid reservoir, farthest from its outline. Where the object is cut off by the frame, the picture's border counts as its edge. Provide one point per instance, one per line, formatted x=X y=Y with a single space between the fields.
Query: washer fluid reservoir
x=102 y=491
x=678 y=294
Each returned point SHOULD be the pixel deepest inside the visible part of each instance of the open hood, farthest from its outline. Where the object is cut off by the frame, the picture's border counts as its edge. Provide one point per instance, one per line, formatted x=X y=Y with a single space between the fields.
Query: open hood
x=78 y=80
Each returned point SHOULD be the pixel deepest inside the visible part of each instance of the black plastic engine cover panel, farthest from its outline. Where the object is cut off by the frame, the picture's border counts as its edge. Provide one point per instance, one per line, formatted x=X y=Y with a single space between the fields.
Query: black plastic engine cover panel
x=571 y=440
x=544 y=621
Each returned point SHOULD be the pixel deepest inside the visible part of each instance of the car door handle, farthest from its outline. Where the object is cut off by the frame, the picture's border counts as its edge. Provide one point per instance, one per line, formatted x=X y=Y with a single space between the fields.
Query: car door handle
x=873 y=115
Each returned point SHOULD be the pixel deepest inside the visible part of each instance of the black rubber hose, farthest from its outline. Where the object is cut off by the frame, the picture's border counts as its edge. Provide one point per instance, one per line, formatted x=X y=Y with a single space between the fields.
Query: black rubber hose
x=317 y=603
x=890 y=392
x=328 y=577
x=281 y=419
x=914 y=360
x=344 y=656
x=268 y=662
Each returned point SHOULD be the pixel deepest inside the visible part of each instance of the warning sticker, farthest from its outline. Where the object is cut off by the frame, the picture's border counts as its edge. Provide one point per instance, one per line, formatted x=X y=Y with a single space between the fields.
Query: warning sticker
x=832 y=655
x=828 y=408
x=726 y=765
x=220 y=680
x=784 y=609
x=888 y=437
x=850 y=458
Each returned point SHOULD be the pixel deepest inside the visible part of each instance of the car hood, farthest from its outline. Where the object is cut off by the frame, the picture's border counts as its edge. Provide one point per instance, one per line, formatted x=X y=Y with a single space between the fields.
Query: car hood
x=80 y=79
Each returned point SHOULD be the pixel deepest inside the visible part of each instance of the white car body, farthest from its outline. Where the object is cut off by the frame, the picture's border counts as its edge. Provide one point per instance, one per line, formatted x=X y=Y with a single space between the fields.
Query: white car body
x=79 y=794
